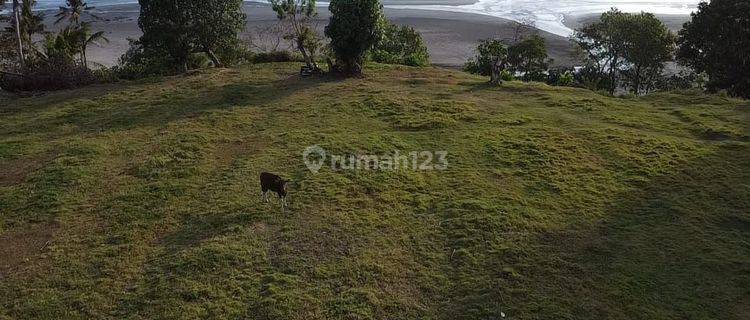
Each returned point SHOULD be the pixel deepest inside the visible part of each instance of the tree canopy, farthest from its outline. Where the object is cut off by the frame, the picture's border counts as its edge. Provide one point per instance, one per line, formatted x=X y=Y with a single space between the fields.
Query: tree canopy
x=400 y=45
x=625 y=49
x=488 y=52
x=178 y=28
x=717 y=41
x=529 y=57
x=353 y=29
x=298 y=14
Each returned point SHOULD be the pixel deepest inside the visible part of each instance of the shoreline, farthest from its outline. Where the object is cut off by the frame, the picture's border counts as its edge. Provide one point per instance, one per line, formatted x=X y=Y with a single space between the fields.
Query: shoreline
x=450 y=37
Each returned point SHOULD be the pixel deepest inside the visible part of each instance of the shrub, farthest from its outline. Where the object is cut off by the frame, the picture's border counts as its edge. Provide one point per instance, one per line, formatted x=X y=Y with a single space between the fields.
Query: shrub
x=400 y=45
x=235 y=54
x=139 y=62
x=506 y=75
x=275 y=56
x=54 y=73
x=560 y=77
x=686 y=79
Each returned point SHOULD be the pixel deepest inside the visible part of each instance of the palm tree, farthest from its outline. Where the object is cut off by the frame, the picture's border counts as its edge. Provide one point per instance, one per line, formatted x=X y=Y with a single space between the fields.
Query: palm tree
x=31 y=23
x=74 y=11
x=25 y=23
x=86 y=38
x=81 y=30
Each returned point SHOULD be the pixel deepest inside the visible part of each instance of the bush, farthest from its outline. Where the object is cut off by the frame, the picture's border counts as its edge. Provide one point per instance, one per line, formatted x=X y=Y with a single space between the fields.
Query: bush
x=590 y=78
x=560 y=77
x=199 y=61
x=51 y=74
x=506 y=75
x=275 y=56
x=235 y=54
x=686 y=79
x=400 y=45
x=139 y=62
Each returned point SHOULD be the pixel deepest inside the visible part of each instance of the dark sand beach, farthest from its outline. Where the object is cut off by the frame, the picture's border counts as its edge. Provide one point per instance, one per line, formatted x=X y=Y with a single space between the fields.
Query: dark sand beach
x=450 y=37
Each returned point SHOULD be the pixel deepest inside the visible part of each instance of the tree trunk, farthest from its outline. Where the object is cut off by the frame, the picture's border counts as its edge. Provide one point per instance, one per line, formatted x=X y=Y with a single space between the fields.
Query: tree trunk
x=495 y=71
x=613 y=72
x=308 y=60
x=638 y=81
x=214 y=58
x=83 y=57
x=17 y=15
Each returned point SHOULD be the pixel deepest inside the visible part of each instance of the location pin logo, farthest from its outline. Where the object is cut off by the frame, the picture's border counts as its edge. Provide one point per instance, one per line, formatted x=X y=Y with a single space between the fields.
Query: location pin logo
x=314 y=157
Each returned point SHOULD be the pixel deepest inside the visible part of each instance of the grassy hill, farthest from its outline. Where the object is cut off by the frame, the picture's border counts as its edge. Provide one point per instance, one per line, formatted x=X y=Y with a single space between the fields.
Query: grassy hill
x=141 y=200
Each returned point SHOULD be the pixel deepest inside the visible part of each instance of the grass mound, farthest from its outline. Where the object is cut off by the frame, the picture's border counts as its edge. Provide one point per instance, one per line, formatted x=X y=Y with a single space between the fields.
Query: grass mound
x=141 y=200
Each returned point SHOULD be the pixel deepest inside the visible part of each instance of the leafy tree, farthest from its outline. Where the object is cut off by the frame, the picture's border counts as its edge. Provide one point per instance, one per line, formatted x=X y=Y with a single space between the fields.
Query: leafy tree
x=174 y=29
x=400 y=45
x=489 y=52
x=603 y=45
x=648 y=44
x=353 y=29
x=214 y=25
x=717 y=41
x=529 y=57
x=299 y=13
x=165 y=32
x=626 y=48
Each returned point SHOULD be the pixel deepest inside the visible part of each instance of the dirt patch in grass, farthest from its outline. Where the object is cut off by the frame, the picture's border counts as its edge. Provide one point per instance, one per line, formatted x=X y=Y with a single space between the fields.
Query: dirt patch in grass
x=21 y=247
x=15 y=171
x=228 y=151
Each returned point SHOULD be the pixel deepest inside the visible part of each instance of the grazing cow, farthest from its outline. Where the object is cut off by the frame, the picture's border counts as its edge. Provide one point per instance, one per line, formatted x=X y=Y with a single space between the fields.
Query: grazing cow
x=272 y=182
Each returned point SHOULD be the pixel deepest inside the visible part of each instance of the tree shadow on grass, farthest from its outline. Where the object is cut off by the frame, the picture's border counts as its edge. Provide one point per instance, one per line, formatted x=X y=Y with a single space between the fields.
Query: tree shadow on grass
x=674 y=247
x=140 y=110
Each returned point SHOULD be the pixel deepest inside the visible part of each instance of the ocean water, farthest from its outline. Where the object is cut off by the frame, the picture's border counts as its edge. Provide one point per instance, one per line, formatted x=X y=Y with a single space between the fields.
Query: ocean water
x=547 y=15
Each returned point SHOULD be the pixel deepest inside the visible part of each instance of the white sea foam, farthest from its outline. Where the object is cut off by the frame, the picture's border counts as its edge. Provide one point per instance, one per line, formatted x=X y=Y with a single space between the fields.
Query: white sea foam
x=549 y=15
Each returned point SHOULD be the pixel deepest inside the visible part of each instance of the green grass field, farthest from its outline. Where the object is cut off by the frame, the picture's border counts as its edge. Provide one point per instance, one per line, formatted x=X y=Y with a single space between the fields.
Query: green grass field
x=141 y=201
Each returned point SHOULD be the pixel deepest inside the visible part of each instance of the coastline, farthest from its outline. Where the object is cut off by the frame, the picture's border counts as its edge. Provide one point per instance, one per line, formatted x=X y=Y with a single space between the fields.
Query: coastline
x=450 y=37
